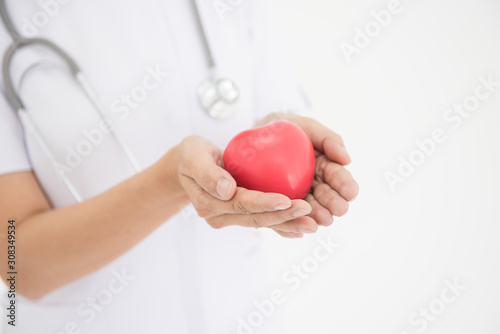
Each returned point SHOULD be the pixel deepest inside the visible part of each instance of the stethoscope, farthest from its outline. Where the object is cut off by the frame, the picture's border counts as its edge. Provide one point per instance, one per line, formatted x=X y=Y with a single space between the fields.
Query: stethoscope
x=217 y=96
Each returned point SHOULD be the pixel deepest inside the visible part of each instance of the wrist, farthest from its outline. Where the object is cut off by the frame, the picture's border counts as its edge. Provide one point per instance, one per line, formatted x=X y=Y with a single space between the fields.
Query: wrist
x=167 y=175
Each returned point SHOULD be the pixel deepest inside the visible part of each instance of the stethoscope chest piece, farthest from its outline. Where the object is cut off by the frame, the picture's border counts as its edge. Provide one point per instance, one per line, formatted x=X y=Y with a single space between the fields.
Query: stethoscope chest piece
x=218 y=97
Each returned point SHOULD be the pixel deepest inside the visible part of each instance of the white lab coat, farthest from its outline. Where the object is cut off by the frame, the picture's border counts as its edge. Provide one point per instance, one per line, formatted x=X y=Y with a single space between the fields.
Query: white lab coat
x=184 y=277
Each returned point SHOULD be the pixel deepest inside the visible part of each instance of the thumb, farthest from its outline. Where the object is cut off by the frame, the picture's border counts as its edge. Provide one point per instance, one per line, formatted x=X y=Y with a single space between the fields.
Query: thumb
x=202 y=163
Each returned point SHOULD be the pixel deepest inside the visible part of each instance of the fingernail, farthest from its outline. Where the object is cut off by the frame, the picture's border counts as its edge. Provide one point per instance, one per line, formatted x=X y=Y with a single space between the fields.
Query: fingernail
x=300 y=212
x=306 y=231
x=224 y=188
x=282 y=206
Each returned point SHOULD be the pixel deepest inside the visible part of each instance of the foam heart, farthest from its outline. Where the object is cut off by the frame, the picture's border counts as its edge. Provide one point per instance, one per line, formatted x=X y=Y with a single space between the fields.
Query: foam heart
x=278 y=157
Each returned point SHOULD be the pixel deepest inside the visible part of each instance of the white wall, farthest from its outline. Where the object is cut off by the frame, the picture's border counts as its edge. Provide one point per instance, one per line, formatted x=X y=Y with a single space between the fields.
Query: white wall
x=443 y=223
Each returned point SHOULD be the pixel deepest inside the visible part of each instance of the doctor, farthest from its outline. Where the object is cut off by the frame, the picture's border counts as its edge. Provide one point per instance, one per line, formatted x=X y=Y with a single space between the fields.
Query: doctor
x=130 y=257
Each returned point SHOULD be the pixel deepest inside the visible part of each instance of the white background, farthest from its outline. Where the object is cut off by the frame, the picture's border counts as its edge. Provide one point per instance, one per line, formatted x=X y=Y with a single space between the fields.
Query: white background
x=397 y=248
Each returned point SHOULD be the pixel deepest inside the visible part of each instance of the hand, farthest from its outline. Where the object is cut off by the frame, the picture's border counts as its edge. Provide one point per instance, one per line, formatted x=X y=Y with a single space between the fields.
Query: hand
x=333 y=186
x=218 y=200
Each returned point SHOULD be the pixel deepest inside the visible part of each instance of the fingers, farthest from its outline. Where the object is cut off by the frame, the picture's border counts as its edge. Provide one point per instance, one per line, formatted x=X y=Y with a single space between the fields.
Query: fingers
x=330 y=199
x=336 y=151
x=319 y=213
x=318 y=132
x=249 y=201
x=298 y=209
x=243 y=202
x=301 y=225
x=322 y=138
x=201 y=164
x=339 y=178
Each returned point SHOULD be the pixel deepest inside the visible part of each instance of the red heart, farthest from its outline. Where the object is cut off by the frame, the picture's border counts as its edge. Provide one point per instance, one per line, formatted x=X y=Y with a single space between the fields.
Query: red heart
x=278 y=157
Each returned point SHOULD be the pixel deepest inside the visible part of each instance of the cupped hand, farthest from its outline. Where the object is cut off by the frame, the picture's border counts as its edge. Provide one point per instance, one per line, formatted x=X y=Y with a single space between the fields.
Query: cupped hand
x=333 y=186
x=216 y=197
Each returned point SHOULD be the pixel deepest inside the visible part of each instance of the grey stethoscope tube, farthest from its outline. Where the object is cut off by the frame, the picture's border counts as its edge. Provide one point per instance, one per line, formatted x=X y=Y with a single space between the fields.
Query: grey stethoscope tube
x=16 y=102
x=218 y=96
